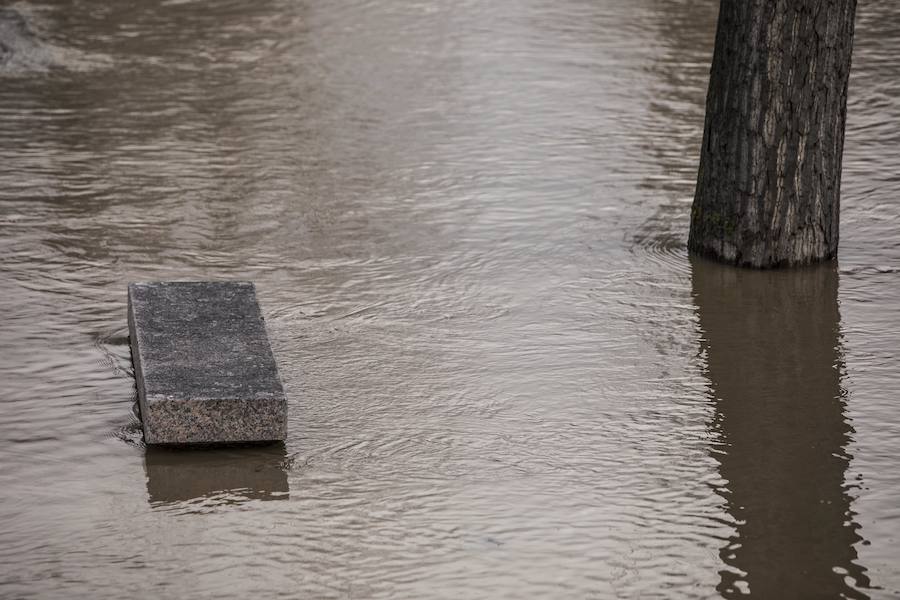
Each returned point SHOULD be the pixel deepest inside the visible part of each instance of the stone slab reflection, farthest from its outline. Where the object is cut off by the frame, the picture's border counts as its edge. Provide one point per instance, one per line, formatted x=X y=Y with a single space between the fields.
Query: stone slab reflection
x=218 y=475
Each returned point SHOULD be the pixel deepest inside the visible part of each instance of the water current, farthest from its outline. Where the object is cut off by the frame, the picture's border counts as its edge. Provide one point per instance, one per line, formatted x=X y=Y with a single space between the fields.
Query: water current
x=467 y=223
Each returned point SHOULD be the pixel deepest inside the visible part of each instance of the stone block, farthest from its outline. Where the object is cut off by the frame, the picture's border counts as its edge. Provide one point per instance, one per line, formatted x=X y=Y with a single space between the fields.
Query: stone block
x=205 y=371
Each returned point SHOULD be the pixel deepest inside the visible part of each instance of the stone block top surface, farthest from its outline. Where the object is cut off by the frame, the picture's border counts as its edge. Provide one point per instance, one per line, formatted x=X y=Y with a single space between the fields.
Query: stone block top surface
x=203 y=340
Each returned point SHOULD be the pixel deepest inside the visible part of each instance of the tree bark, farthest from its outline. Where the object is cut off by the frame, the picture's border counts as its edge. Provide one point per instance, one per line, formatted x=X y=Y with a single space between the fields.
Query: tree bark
x=768 y=188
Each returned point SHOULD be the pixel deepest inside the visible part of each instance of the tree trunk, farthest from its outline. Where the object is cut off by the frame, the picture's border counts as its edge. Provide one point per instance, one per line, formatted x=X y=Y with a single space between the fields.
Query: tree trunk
x=768 y=188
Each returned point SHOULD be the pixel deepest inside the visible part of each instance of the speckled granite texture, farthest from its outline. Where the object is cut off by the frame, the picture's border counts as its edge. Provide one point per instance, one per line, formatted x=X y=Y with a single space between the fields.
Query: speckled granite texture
x=204 y=368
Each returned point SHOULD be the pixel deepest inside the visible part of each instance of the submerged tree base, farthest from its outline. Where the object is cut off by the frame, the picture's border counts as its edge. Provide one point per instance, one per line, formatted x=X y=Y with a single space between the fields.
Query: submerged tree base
x=762 y=255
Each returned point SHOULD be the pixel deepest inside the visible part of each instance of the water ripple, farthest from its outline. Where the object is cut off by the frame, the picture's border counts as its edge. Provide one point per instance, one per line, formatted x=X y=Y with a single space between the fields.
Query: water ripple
x=467 y=223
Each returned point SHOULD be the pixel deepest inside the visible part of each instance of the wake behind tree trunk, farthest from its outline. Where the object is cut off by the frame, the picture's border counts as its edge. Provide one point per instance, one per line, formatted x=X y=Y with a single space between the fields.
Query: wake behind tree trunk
x=768 y=188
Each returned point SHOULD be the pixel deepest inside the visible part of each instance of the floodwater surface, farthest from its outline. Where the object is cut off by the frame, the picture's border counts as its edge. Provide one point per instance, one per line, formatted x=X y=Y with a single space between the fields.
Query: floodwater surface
x=467 y=223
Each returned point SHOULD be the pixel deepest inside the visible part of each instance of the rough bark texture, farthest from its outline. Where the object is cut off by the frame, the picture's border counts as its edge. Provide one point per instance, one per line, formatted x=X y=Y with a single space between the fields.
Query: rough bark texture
x=768 y=189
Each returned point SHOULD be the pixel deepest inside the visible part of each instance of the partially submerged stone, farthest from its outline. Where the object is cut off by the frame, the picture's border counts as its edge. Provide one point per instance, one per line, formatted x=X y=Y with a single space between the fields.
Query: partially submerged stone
x=204 y=368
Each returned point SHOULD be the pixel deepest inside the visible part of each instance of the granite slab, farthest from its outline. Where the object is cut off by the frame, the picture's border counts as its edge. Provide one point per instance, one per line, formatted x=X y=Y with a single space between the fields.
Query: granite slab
x=204 y=368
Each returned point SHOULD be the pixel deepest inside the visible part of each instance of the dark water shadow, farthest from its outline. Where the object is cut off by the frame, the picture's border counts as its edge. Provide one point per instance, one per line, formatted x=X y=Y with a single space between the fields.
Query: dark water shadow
x=216 y=476
x=774 y=362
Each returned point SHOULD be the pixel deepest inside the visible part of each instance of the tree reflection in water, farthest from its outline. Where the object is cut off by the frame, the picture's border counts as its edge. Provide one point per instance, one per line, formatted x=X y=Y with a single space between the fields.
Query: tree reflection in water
x=773 y=356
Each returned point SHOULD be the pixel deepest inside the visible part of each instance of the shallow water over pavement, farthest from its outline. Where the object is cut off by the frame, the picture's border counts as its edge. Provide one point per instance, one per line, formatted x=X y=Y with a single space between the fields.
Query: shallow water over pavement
x=467 y=223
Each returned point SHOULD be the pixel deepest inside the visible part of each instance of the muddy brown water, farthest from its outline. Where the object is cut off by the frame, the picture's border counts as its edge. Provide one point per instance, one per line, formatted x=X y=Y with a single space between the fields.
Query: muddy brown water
x=467 y=225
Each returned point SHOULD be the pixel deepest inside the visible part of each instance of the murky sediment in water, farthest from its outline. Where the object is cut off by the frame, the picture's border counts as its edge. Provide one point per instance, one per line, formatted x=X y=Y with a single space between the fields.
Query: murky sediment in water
x=466 y=222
